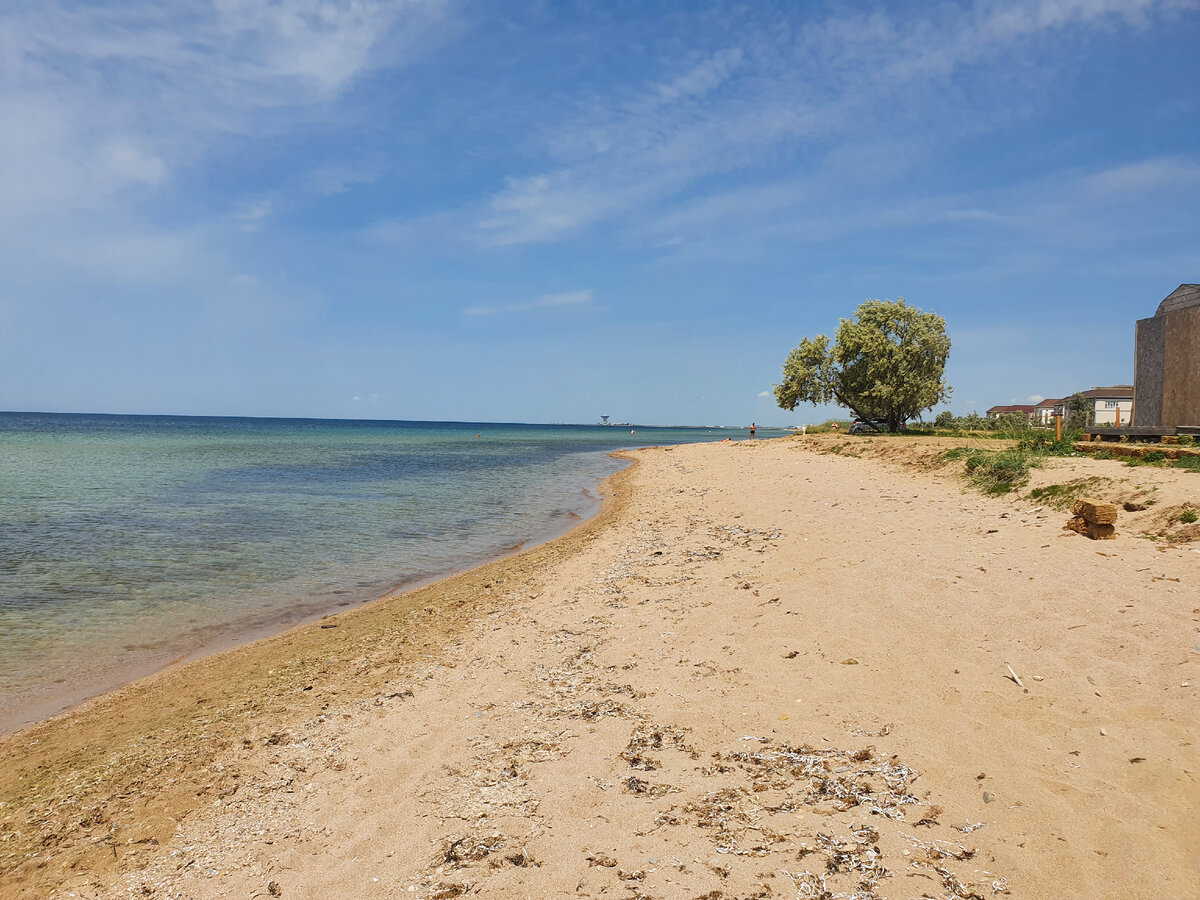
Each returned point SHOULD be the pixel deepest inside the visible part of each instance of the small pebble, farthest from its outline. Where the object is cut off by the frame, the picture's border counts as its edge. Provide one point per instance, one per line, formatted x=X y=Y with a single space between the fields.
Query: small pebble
x=1103 y=732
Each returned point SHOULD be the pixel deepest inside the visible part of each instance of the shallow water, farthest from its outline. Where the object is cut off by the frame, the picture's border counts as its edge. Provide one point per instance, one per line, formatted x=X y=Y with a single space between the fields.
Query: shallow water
x=127 y=542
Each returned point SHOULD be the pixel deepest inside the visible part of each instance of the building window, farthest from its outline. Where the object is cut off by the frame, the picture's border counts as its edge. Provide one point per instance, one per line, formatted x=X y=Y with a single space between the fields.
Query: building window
x=1111 y=404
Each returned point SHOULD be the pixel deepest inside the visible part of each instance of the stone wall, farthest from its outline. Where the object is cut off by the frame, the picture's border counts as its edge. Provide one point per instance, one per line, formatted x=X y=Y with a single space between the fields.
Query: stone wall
x=1167 y=364
x=1181 y=368
x=1151 y=337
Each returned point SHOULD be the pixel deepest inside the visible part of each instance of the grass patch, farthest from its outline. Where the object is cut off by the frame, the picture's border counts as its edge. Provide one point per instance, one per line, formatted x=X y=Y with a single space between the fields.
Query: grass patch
x=1190 y=463
x=1149 y=458
x=966 y=433
x=995 y=471
x=826 y=427
x=1044 y=443
x=1061 y=496
x=1188 y=516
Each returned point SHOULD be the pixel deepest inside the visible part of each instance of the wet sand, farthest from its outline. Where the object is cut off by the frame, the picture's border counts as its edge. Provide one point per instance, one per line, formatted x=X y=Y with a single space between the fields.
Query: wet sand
x=759 y=671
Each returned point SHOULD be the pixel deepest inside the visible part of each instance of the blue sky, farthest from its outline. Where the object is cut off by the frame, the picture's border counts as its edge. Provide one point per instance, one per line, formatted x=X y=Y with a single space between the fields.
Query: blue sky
x=548 y=211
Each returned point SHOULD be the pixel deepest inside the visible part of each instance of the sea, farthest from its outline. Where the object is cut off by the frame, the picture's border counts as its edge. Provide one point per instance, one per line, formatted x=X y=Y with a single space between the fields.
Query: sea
x=128 y=543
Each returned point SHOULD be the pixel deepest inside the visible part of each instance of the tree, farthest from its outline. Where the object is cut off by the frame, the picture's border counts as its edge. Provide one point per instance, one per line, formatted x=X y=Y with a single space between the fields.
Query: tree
x=973 y=422
x=945 y=419
x=885 y=363
x=1011 y=423
x=1079 y=411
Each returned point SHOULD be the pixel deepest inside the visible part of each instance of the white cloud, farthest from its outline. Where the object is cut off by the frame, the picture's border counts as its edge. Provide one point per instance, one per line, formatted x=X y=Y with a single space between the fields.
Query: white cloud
x=1170 y=173
x=801 y=92
x=702 y=78
x=1062 y=210
x=762 y=395
x=548 y=207
x=253 y=211
x=1034 y=398
x=102 y=106
x=567 y=298
x=133 y=164
x=330 y=180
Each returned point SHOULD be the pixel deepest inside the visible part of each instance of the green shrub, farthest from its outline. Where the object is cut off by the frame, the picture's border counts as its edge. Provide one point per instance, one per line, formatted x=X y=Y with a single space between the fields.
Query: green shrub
x=1187 y=440
x=1192 y=463
x=826 y=427
x=1188 y=516
x=998 y=472
x=1045 y=442
x=1149 y=458
x=1013 y=425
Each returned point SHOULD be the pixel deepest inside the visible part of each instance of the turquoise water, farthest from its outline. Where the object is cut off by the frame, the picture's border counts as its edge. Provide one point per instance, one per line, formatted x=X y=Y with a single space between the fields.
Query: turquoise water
x=128 y=542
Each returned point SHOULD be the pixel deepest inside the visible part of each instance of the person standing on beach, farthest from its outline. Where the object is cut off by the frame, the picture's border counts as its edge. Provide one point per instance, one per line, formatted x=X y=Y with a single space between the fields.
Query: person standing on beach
x=753 y=427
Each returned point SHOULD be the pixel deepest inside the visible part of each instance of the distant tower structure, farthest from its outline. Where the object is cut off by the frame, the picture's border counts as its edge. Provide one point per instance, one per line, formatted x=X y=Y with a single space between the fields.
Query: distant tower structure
x=1167 y=379
x=604 y=420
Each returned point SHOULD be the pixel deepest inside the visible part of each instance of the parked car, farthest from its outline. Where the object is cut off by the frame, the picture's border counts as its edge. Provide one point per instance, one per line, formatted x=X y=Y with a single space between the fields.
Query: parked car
x=870 y=426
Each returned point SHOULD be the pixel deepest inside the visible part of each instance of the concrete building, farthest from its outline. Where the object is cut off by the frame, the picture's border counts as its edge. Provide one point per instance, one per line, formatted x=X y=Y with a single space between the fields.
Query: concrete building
x=1167 y=373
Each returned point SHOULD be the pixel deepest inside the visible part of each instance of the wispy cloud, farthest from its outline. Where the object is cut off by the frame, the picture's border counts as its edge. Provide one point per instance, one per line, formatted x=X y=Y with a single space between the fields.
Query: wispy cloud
x=104 y=108
x=702 y=78
x=251 y=212
x=1073 y=208
x=1170 y=173
x=545 y=301
x=331 y=180
x=800 y=94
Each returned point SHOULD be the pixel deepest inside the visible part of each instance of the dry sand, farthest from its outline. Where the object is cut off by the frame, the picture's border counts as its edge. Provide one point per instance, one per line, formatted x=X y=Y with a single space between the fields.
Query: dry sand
x=761 y=671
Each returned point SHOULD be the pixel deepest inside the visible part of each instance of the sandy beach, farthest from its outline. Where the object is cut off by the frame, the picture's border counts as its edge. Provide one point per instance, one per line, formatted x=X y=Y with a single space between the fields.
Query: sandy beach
x=790 y=668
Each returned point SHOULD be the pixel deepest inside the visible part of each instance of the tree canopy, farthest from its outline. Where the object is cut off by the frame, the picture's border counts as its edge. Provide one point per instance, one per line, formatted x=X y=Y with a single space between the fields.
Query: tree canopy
x=1079 y=411
x=887 y=362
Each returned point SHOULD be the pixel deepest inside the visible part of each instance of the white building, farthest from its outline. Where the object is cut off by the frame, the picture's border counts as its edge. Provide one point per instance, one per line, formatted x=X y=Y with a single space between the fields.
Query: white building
x=1046 y=411
x=1112 y=405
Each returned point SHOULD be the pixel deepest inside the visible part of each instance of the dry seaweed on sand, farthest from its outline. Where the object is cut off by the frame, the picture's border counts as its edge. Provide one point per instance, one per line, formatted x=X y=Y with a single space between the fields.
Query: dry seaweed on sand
x=470 y=848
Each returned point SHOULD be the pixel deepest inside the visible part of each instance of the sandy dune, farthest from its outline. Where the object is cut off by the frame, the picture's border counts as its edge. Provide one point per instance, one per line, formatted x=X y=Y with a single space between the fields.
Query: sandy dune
x=762 y=671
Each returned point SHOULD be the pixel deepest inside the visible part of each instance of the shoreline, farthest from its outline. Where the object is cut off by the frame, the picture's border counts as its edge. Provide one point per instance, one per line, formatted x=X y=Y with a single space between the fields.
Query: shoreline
x=111 y=740
x=760 y=669
x=245 y=640
x=43 y=706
